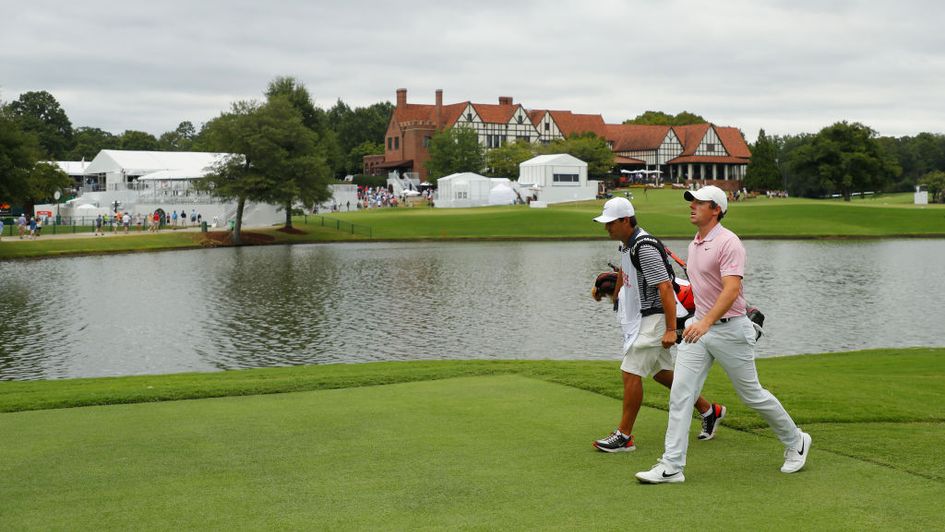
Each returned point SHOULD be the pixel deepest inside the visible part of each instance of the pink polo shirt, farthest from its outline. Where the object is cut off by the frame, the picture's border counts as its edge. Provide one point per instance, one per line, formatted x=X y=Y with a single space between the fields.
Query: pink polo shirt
x=720 y=254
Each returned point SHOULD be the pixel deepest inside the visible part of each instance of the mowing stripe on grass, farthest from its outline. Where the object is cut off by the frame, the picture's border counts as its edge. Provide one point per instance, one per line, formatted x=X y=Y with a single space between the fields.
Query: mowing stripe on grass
x=475 y=452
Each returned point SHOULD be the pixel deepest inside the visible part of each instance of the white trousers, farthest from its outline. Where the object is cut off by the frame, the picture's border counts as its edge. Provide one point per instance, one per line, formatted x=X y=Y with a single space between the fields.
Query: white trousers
x=732 y=344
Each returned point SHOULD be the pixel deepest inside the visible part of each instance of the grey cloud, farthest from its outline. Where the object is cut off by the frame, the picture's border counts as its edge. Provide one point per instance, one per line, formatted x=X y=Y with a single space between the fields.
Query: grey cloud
x=775 y=64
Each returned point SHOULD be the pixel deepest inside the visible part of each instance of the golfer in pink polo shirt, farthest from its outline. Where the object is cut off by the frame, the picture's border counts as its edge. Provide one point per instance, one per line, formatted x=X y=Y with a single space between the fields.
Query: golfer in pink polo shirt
x=720 y=331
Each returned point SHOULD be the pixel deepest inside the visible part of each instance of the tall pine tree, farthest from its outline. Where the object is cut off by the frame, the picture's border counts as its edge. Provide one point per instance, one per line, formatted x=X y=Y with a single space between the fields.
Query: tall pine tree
x=763 y=173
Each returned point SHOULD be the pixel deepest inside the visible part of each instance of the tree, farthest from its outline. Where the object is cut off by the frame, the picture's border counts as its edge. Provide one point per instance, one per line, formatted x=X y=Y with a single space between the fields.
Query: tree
x=587 y=147
x=304 y=181
x=504 y=160
x=455 y=150
x=44 y=180
x=19 y=152
x=763 y=172
x=39 y=113
x=137 y=140
x=934 y=181
x=91 y=140
x=273 y=156
x=354 y=127
x=181 y=139
x=357 y=154
x=846 y=157
x=659 y=118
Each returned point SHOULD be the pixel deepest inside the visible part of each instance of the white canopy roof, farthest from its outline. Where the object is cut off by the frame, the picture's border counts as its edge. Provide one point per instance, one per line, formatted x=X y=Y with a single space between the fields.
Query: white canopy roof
x=462 y=177
x=146 y=162
x=72 y=167
x=560 y=159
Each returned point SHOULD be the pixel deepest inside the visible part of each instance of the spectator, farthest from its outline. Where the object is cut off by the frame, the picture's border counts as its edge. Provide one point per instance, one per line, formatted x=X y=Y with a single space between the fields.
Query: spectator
x=21 y=225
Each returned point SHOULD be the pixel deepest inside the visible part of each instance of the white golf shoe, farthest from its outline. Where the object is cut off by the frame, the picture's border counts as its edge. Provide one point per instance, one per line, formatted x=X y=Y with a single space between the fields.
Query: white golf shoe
x=660 y=474
x=794 y=459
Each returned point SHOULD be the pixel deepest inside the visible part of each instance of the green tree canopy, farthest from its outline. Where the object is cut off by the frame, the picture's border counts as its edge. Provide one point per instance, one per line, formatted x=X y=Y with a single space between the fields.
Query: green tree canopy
x=659 y=118
x=277 y=156
x=313 y=117
x=356 y=156
x=453 y=150
x=307 y=172
x=181 y=139
x=23 y=178
x=137 y=140
x=504 y=160
x=934 y=181
x=763 y=172
x=45 y=179
x=19 y=152
x=354 y=127
x=39 y=113
x=91 y=140
x=845 y=158
x=587 y=147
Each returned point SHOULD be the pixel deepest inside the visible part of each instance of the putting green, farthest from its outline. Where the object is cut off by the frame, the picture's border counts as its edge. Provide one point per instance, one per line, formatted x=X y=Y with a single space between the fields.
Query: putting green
x=482 y=452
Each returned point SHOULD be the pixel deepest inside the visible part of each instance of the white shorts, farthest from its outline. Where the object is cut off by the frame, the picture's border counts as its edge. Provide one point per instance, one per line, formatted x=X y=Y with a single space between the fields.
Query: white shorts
x=647 y=356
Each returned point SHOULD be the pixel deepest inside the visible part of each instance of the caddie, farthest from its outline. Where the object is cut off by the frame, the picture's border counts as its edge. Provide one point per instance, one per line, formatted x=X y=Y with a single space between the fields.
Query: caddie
x=646 y=310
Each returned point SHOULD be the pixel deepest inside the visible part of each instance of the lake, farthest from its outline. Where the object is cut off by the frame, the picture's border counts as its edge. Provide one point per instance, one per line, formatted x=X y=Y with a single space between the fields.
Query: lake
x=217 y=309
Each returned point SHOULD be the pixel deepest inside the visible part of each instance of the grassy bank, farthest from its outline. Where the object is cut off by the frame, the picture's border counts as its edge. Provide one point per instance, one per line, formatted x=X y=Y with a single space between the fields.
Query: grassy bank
x=663 y=212
x=465 y=444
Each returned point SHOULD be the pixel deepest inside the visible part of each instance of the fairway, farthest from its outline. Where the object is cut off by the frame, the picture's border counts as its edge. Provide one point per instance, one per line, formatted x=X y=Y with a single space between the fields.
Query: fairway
x=502 y=451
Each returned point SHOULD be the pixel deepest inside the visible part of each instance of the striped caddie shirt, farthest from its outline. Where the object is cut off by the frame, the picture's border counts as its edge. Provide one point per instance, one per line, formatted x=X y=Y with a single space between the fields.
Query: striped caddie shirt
x=652 y=271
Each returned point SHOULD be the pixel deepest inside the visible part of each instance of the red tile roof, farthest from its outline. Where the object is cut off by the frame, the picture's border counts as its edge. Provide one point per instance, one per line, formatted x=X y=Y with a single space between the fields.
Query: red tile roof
x=412 y=112
x=629 y=137
x=572 y=124
x=691 y=136
x=535 y=115
x=451 y=113
x=733 y=141
x=627 y=160
x=495 y=113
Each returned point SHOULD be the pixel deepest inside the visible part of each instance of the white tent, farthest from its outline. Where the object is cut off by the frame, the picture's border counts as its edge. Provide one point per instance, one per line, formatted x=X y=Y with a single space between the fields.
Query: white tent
x=557 y=178
x=122 y=166
x=502 y=194
x=465 y=189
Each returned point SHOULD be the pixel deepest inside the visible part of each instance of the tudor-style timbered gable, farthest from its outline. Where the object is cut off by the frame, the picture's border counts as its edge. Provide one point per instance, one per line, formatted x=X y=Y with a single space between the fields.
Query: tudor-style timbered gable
x=711 y=145
x=545 y=125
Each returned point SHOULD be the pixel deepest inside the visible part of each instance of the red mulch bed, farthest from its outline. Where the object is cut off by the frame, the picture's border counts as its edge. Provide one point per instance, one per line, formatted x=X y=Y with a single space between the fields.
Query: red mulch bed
x=222 y=238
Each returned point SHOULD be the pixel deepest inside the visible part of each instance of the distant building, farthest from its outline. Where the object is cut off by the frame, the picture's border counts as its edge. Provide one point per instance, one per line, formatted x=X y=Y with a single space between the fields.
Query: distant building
x=699 y=152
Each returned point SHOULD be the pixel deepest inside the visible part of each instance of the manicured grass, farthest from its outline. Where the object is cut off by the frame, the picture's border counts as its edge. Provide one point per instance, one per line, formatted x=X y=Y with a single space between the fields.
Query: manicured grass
x=472 y=444
x=663 y=212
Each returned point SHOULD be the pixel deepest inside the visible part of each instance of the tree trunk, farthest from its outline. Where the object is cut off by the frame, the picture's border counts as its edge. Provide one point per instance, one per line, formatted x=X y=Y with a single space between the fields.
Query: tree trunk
x=288 y=214
x=235 y=236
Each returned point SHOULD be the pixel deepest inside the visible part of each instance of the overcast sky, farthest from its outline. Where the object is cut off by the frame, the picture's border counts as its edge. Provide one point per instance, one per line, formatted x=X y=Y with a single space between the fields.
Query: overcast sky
x=785 y=66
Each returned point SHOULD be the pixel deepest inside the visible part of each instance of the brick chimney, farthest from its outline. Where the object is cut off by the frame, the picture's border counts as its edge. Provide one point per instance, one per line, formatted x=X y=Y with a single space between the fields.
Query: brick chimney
x=439 y=109
x=401 y=97
x=505 y=100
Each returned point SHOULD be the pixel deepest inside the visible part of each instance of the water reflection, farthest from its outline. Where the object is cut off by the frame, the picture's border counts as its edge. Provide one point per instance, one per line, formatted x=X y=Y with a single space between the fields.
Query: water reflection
x=233 y=308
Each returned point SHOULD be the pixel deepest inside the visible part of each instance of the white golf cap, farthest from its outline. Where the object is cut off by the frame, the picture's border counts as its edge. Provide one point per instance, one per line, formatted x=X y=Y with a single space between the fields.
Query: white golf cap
x=709 y=193
x=615 y=209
